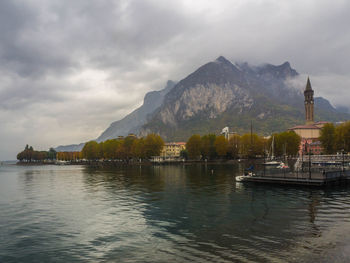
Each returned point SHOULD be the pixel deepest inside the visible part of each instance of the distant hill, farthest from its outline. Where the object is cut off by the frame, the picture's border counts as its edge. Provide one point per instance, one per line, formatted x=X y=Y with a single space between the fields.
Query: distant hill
x=220 y=94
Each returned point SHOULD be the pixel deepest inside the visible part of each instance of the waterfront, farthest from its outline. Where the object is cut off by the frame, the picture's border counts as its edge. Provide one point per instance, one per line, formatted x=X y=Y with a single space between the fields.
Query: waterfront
x=177 y=213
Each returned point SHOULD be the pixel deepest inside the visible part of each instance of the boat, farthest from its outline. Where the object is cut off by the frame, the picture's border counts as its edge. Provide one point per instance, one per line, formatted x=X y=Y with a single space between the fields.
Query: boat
x=272 y=161
x=282 y=165
x=242 y=178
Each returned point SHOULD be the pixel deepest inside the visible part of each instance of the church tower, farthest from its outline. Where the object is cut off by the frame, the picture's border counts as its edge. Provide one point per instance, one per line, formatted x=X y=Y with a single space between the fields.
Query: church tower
x=309 y=103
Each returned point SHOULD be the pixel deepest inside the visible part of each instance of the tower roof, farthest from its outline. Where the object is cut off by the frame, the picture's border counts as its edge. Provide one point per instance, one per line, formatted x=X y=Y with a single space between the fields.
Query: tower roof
x=308 y=85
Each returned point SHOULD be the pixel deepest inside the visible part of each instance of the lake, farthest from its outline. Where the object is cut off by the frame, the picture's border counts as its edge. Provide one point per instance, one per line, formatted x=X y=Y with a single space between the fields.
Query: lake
x=175 y=213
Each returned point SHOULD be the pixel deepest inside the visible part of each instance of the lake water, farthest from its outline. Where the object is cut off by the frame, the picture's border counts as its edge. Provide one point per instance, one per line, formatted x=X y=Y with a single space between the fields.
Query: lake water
x=191 y=213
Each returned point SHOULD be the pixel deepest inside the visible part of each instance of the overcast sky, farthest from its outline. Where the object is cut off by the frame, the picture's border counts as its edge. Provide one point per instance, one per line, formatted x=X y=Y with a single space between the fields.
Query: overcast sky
x=70 y=68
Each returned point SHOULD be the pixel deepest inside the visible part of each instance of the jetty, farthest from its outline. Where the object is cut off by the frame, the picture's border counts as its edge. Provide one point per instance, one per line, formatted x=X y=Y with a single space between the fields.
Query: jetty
x=298 y=178
x=310 y=171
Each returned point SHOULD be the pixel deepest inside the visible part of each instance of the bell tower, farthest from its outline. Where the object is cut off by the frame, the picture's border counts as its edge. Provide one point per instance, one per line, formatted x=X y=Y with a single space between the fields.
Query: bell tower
x=309 y=103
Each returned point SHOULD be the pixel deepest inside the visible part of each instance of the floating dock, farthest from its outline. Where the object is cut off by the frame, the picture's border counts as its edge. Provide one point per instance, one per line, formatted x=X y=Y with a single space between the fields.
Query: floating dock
x=301 y=178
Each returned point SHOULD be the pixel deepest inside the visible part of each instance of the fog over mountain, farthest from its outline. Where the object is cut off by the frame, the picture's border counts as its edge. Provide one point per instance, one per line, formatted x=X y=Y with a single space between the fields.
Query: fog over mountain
x=70 y=68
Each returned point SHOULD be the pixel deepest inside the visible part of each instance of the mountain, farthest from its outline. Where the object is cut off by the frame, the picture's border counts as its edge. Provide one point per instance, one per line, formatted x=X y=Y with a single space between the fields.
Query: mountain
x=134 y=121
x=70 y=148
x=130 y=123
x=343 y=109
x=220 y=94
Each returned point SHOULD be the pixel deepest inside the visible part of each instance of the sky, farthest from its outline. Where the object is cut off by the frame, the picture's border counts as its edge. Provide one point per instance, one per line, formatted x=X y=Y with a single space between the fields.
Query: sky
x=70 y=68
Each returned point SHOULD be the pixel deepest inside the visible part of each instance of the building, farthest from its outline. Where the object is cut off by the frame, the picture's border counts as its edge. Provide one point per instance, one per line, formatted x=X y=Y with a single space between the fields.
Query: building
x=308 y=131
x=173 y=149
x=311 y=130
x=226 y=132
x=315 y=148
x=309 y=103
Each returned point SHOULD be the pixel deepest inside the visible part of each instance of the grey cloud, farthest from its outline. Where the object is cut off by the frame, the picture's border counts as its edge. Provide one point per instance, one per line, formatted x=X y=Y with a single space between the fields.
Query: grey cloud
x=75 y=66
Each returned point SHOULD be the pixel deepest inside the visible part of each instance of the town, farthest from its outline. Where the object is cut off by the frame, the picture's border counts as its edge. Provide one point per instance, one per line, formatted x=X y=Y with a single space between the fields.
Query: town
x=317 y=139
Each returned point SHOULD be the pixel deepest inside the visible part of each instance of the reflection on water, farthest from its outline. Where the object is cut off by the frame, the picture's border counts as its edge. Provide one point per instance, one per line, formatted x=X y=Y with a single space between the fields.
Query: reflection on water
x=165 y=213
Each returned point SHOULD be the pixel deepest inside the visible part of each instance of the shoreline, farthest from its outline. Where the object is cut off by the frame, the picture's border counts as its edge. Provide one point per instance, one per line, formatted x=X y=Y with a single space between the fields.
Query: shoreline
x=122 y=163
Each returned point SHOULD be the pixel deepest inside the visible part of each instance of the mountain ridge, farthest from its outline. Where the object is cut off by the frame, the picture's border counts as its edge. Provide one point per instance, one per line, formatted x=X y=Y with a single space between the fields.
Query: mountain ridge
x=220 y=94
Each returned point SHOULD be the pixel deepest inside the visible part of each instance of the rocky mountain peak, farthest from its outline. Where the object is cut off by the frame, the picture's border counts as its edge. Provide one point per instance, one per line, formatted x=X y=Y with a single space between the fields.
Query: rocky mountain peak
x=222 y=59
x=282 y=71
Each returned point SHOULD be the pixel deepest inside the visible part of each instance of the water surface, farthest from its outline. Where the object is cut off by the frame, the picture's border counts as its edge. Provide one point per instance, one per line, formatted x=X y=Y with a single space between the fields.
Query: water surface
x=190 y=213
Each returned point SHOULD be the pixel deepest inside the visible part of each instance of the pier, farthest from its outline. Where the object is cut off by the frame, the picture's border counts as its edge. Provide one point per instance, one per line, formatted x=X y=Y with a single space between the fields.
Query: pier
x=302 y=178
x=318 y=170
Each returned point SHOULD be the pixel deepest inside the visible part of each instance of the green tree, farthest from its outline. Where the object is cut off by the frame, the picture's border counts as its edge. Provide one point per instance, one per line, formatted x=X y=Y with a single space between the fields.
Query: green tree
x=193 y=146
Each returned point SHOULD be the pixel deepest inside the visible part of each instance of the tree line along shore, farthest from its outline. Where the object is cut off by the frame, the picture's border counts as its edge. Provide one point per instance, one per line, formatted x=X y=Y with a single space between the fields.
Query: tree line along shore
x=207 y=147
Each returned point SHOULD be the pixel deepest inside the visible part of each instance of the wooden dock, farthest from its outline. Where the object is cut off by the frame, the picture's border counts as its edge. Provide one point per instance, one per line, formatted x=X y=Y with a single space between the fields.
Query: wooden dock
x=301 y=178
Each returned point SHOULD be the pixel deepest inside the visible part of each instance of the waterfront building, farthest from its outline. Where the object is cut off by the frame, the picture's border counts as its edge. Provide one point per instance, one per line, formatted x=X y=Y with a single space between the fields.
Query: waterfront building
x=172 y=149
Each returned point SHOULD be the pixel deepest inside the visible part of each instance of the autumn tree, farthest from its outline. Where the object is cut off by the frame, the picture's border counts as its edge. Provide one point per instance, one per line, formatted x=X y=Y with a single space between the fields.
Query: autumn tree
x=342 y=137
x=128 y=147
x=285 y=143
x=138 y=148
x=233 y=146
x=91 y=150
x=221 y=146
x=252 y=145
x=193 y=146
x=207 y=146
x=110 y=148
x=153 y=145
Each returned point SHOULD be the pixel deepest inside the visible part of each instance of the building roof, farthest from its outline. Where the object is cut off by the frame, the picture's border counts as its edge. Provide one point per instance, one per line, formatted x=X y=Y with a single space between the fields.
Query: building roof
x=322 y=122
x=175 y=143
x=306 y=126
x=308 y=85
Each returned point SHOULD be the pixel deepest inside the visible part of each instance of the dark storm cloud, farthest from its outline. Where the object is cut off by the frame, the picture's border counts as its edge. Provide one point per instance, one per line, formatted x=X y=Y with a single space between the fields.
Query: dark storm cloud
x=69 y=68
